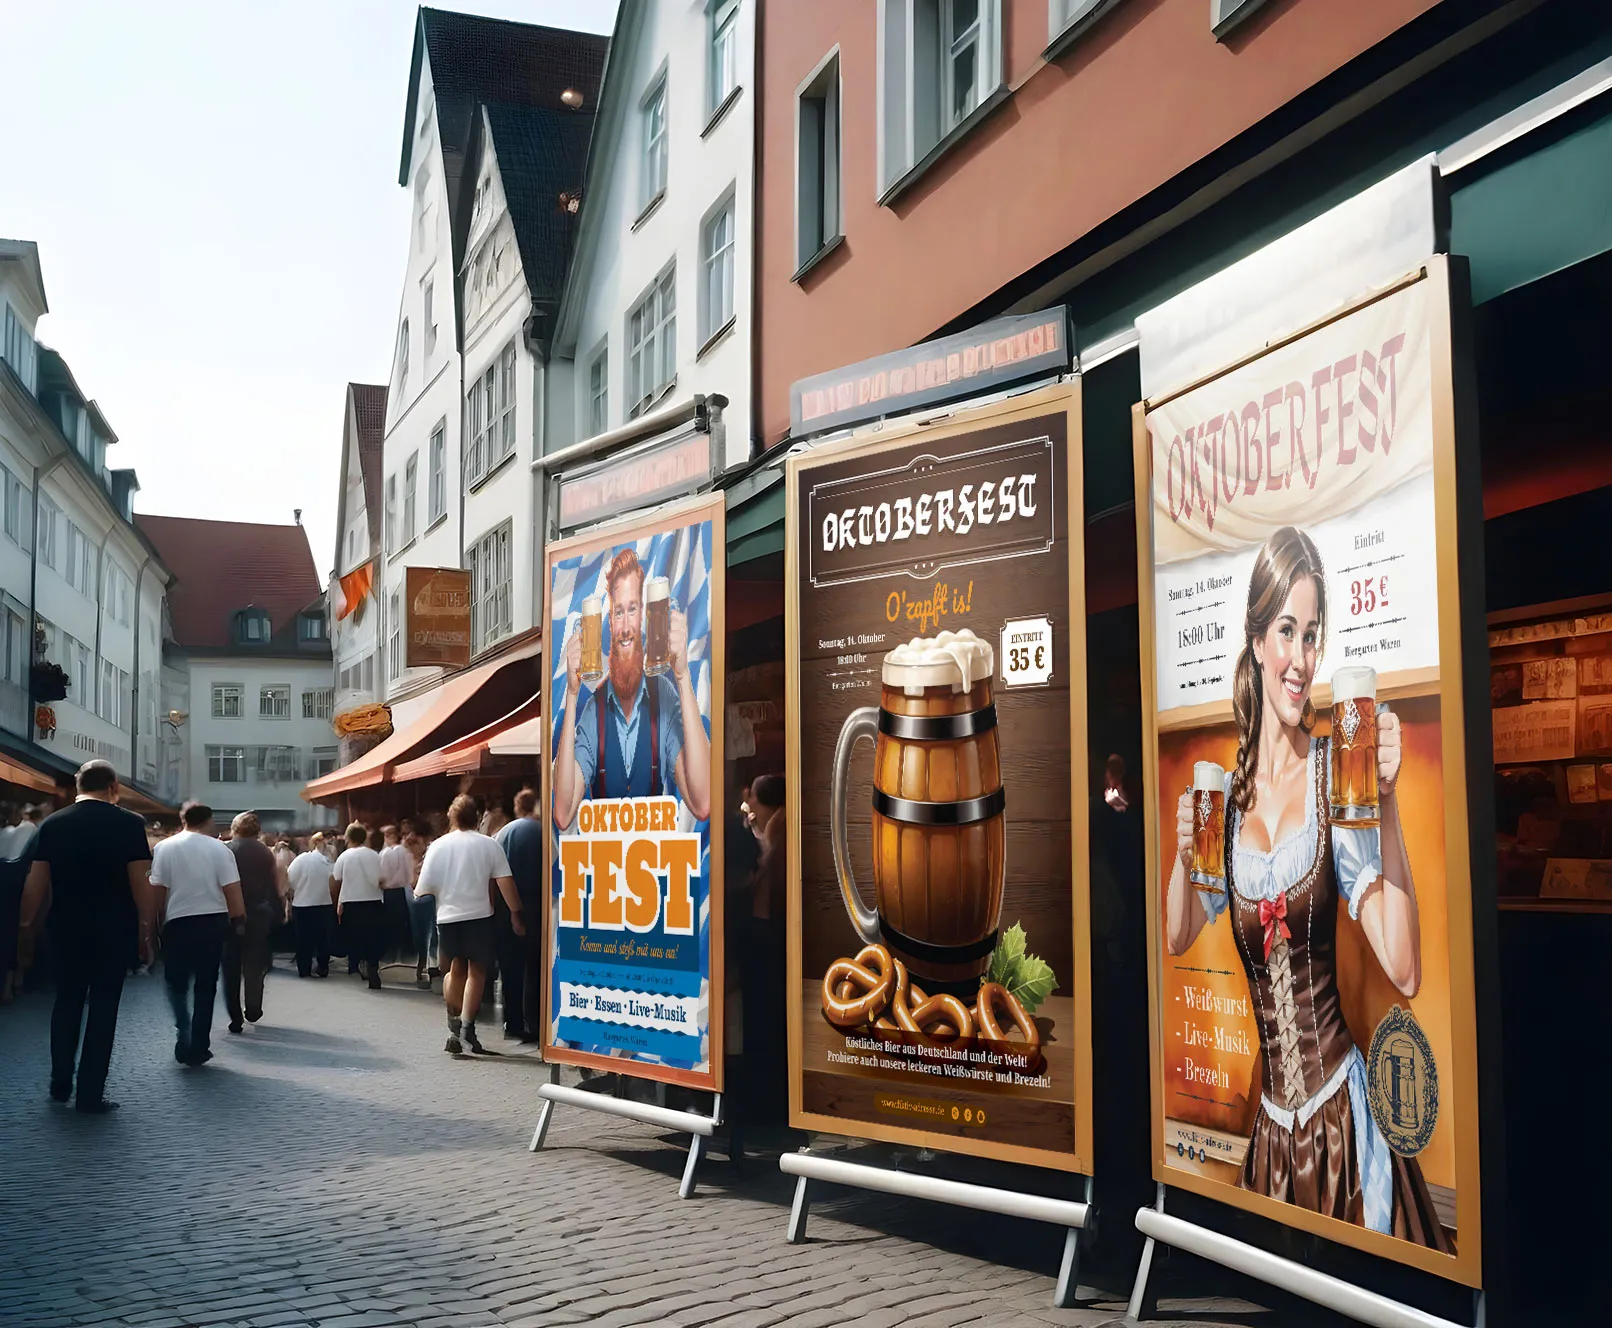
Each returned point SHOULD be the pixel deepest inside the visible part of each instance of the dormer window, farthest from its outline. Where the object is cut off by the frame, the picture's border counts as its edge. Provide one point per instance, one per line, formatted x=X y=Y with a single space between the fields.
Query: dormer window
x=311 y=627
x=251 y=627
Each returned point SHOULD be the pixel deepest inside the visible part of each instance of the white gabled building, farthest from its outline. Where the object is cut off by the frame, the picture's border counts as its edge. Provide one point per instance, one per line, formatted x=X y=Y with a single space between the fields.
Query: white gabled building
x=353 y=594
x=489 y=144
x=657 y=304
x=82 y=591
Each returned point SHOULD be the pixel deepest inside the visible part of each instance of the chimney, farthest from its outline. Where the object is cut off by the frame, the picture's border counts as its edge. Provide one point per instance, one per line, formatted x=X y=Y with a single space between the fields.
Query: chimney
x=296 y=512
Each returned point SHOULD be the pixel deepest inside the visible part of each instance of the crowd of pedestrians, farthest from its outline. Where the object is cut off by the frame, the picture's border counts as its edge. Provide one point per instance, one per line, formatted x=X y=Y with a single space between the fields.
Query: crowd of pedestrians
x=105 y=895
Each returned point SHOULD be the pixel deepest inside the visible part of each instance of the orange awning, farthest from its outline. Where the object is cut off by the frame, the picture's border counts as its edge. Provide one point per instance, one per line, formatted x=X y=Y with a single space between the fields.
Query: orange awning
x=525 y=739
x=379 y=764
x=27 y=777
x=463 y=756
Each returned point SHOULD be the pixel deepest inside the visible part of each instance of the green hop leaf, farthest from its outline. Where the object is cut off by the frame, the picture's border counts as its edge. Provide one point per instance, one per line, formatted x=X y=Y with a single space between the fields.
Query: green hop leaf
x=1028 y=977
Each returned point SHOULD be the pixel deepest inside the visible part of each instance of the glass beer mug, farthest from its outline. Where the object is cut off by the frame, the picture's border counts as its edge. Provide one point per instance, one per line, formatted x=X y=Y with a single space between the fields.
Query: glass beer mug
x=593 y=669
x=1354 y=746
x=1209 y=827
x=657 y=625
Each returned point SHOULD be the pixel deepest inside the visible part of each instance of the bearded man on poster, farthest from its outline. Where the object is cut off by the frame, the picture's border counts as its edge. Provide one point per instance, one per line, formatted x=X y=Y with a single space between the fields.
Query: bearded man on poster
x=640 y=734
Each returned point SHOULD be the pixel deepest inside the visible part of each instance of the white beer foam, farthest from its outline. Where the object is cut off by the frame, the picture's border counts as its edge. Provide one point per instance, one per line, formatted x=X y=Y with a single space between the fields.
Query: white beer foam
x=656 y=588
x=592 y=606
x=952 y=659
x=1208 y=775
x=1354 y=682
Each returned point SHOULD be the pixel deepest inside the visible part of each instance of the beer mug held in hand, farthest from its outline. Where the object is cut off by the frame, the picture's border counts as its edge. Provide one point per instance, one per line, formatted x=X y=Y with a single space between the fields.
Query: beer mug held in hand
x=657 y=625
x=592 y=629
x=1354 y=746
x=1208 y=868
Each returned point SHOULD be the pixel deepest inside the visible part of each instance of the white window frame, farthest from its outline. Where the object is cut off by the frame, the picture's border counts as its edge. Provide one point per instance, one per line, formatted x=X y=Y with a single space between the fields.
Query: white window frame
x=394 y=634
x=819 y=219
x=48 y=512
x=654 y=162
x=106 y=700
x=503 y=445
x=402 y=367
x=718 y=267
x=411 y=485
x=652 y=343
x=429 y=320
x=916 y=121
x=324 y=760
x=722 y=64
x=391 y=515
x=599 y=391
x=437 y=476
x=491 y=587
x=274 y=700
x=17 y=518
x=1067 y=20
x=217 y=756
x=318 y=702
x=82 y=673
x=227 y=700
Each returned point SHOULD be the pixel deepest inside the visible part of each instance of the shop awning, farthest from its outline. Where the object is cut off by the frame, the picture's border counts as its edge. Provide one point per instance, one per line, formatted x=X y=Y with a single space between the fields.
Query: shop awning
x=523 y=740
x=466 y=755
x=380 y=763
x=26 y=777
x=137 y=799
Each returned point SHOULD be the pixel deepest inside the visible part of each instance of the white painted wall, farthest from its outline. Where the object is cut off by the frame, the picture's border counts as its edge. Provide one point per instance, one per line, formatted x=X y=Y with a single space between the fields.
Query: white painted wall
x=280 y=804
x=621 y=253
x=497 y=304
x=428 y=394
x=356 y=637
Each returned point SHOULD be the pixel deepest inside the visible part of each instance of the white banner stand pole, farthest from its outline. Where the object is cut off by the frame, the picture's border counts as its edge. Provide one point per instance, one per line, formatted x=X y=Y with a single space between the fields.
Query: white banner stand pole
x=1296 y=1278
x=687 y=1122
x=808 y=1166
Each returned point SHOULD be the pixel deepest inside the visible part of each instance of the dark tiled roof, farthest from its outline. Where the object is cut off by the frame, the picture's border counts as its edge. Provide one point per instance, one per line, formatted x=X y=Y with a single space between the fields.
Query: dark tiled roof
x=475 y=59
x=541 y=154
x=369 y=415
x=222 y=566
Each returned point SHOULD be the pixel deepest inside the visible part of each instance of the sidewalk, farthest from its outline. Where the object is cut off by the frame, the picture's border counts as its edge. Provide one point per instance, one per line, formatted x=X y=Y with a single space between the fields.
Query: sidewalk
x=333 y=1168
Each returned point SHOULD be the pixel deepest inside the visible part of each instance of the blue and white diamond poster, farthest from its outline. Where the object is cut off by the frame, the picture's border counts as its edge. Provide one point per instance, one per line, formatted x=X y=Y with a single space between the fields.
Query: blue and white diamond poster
x=633 y=770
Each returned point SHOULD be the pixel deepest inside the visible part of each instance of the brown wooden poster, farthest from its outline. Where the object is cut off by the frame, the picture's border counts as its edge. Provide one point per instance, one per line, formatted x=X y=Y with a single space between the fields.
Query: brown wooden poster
x=938 y=961
x=436 y=617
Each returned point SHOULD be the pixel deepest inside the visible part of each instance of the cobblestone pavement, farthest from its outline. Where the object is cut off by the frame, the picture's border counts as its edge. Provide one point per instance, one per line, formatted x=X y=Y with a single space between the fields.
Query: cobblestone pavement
x=333 y=1167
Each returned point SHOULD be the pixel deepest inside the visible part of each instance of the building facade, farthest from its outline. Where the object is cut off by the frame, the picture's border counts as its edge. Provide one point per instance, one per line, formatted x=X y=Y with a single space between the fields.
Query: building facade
x=355 y=606
x=491 y=139
x=247 y=666
x=83 y=589
x=658 y=302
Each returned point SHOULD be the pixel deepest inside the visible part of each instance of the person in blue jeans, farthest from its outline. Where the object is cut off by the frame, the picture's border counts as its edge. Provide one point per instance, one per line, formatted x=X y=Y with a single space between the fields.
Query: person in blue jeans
x=422 y=915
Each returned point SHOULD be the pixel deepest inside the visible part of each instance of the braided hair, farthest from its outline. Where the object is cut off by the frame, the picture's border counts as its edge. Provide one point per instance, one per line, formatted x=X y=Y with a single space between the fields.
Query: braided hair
x=1285 y=559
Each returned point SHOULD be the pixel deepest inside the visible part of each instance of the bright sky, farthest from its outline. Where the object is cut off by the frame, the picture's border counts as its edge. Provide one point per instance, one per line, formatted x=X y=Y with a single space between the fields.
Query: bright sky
x=213 y=188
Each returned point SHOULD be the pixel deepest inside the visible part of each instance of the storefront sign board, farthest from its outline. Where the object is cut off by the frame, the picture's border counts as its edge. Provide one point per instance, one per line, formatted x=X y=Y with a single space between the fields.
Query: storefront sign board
x=976 y=797
x=660 y=470
x=632 y=773
x=1310 y=912
x=436 y=617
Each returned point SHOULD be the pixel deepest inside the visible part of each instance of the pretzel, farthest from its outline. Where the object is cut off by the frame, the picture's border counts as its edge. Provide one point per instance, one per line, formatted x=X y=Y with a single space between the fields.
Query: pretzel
x=993 y=994
x=872 y=974
x=933 y=1019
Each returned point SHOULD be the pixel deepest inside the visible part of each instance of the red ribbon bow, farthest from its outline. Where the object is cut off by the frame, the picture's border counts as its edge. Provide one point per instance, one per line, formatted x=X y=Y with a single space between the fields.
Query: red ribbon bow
x=1273 y=917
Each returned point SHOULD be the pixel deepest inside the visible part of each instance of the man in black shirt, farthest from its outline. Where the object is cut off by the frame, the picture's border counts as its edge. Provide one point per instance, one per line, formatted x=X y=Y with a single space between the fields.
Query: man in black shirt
x=91 y=862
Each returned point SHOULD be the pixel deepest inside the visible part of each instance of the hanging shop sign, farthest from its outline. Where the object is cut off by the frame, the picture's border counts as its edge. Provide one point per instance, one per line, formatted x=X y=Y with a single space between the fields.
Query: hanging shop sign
x=938 y=910
x=656 y=472
x=633 y=952
x=991 y=356
x=436 y=611
x=1310 y=918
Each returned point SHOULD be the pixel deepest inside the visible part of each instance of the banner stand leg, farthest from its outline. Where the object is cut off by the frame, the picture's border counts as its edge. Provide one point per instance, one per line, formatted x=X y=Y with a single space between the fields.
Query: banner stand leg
x=806 y=1165
x=617 y=1104
x=1066 y=1294
x=1298 y=1279
x=543 y=1114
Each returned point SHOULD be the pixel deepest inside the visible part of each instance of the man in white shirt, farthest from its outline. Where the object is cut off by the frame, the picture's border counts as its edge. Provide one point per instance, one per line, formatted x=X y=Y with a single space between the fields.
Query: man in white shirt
x=460 y=870
x=312 y=913
x=198 y=900
x=356 y=885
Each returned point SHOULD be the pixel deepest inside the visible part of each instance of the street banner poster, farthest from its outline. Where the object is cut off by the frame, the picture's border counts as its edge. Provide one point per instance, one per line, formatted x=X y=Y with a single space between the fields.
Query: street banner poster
x=436 y=617
x=1310 y=916
x=633 y=947
x=938 y=919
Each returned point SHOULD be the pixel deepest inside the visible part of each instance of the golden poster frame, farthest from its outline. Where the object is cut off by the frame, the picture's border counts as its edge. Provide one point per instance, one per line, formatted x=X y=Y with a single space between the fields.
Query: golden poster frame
x=870 y=442
x=712 y=508
x=1466 y=1265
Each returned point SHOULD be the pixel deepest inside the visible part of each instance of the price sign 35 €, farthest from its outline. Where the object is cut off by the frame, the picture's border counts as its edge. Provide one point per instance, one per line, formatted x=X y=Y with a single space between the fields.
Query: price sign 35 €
x=1026 y=652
